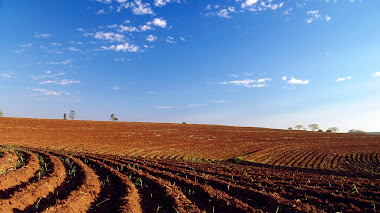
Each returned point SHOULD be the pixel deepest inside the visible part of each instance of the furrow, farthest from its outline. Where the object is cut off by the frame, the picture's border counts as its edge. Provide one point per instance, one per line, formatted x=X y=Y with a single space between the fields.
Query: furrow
x=81 y=199
x=31 y=193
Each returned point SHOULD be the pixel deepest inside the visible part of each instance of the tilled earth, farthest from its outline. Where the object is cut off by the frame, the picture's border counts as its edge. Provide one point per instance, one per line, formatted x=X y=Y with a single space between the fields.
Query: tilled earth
x=85 y=166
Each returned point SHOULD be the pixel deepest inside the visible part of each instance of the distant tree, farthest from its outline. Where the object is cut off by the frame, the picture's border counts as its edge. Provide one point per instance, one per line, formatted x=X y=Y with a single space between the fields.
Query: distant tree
x=113 y=118
x=290 y=128
x=313 y=127
x=64 y=116
x=184 y=122
x=320 y=130
x=328 y=130
x=333 y=129
x=72 y=114
x=1 y=113
x=356 y=131
x=299 y=127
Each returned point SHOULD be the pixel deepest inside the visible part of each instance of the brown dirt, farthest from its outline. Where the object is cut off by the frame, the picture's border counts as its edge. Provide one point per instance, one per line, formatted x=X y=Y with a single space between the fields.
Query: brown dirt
x=148 y=167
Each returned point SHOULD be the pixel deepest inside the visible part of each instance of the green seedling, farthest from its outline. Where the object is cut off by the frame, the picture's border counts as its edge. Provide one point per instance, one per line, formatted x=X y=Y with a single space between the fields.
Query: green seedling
x=175 y=209
x=38 y=203
x=278 y=209
x=355 y=189
x=158 y=208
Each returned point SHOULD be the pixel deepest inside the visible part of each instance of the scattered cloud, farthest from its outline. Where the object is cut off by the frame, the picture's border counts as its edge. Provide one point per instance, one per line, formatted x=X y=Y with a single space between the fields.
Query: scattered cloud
x=284 y=78
x=315 y=15
x=50 y=92
x=122 y=47
x=223 y=13
x=248 y=82
x=218 y=102
x=42 y=35
x=47 y=75
x=376 y=74
x=297 y=81
x=23 y=47
x=110 y=36
x=73 y=49
x=165 y=107
x=68 y=61
x=248 y=3
x=343 y=79
x=114 y=87
x=160 y=3
x=159 y=22
x=60 y=82
x=151 y=92
x=196 y=105
x=6 y=75
x=234 y=75
x=170 y=39
x=101 y=12
x=139 y=8
x=182 y=38
x=151 y=38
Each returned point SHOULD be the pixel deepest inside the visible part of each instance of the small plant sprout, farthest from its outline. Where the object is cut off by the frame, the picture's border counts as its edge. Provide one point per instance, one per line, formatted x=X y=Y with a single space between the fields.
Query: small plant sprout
x=158 y=208
x=278 y=209
x=175 y=209
x=355 y=189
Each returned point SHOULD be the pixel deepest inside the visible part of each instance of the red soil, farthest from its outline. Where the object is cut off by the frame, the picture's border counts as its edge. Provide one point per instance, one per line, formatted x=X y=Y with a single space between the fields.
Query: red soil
x=148 y=167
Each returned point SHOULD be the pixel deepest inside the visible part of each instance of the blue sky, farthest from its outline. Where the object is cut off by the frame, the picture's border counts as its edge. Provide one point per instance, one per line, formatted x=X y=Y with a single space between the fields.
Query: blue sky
x=264 y=63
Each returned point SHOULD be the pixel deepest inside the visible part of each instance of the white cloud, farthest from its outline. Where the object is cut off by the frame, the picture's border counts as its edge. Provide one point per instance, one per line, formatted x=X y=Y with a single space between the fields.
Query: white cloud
x=110 y=36
x=151 y=38
x=196 y=105
x=24 y=48
x=114 y=87
x=68 y=61
x=234 y=75
x=61 y=82
x=42 y=35
x=248 y=3
x=72 y=49
x=159 y=22
x=223 y=13
x=284 y=78
x=218 y=102
x=139 y=8
x=151 y=92
x=147 y=26
x=67 y=82
x=343 y=79
x=263 y=80
x=165 y=107
x=50 y=92
x=6 y=75
x=170 y=39
x=315 y=15
x=122 y=47
x=376 y=74
x=160 y=3
x=297 y=81
x=182 y=38
x=101 y=12
x=47 y=82
x=47 y=76
x=248 y=82
x=124 y=28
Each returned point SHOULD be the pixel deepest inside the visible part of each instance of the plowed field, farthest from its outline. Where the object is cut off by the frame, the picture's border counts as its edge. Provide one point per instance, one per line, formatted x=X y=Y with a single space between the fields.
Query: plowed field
x=88 y=166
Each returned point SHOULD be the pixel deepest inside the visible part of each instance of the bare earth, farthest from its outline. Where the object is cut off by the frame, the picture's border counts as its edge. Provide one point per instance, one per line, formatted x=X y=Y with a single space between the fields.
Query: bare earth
x=92 y=166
